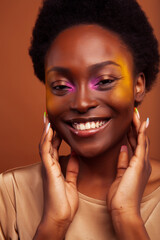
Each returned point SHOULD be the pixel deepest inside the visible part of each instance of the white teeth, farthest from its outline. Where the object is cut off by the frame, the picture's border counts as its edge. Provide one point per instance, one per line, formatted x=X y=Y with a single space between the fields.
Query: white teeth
x=93 y=125
x=88 y=125
x=82 y=126
x=102 y=122
x=97 y=124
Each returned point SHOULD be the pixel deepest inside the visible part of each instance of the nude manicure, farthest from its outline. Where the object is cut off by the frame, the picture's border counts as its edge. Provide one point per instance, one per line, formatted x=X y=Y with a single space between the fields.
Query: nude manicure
x=44 y=117
x=48 y=127
x=147 y=122
x=136 y=110
x=124 y=148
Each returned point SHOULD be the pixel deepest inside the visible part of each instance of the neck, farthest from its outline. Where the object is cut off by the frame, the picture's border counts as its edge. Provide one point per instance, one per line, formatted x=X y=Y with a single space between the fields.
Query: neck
x=98 y=173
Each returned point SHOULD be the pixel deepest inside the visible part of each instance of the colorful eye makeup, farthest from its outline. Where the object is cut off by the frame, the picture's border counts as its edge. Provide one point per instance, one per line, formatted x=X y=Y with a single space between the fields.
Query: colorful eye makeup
x=102 y=83
x=71 y=87
x=62 y=87
x=92 y=83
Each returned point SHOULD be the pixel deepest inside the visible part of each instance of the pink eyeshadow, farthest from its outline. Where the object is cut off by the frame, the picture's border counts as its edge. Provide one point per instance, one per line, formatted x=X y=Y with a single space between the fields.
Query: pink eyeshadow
x=72 y=88
x=93 y=83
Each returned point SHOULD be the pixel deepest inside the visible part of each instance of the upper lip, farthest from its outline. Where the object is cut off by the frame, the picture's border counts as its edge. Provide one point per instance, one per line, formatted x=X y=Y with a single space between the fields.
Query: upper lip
x=84 y=120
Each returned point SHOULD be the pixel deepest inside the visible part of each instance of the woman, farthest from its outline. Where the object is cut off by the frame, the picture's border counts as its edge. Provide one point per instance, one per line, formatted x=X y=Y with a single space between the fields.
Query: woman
x=97 y=60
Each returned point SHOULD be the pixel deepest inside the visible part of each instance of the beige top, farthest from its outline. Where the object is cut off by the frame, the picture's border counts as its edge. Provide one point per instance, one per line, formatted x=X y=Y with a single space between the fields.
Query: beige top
x=21 y=207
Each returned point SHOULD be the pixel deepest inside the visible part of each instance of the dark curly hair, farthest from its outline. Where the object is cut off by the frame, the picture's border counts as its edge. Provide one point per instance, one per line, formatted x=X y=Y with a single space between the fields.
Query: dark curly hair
x=125 y=18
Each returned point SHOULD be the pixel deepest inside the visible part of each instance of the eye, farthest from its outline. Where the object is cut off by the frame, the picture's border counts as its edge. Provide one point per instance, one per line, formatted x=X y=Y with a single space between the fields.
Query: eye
x=104 y=83
x=61 y=88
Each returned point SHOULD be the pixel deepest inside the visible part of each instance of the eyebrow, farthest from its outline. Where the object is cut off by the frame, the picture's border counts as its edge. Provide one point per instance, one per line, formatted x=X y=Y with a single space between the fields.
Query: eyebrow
x=62 y=70
x=100 y=65
x=91 y=68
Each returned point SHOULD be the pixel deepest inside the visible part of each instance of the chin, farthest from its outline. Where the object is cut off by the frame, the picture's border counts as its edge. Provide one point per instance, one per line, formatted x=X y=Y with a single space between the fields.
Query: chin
x=89 y=151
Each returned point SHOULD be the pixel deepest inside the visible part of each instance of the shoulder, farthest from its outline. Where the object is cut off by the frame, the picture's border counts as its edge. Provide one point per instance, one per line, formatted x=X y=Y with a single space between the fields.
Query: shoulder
x=25 y=172
x=21 y=198
x=30 y=175
x=27 y=180
x=17 y=178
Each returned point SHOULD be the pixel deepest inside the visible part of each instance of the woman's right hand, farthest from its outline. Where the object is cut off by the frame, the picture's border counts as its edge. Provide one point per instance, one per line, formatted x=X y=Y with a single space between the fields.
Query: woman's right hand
x=60 y=194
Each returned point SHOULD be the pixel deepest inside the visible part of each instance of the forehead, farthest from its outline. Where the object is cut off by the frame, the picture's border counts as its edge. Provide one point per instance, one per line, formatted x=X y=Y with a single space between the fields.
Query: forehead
x=87 y=44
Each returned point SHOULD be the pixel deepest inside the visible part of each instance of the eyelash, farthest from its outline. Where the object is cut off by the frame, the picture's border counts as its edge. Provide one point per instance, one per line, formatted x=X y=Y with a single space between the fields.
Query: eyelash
x=61 y=89
x=105 y=81
x=104 y=84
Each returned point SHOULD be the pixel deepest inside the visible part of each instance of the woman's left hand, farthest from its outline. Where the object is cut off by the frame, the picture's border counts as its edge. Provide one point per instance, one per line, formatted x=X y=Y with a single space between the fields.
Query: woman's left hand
x=126 y=191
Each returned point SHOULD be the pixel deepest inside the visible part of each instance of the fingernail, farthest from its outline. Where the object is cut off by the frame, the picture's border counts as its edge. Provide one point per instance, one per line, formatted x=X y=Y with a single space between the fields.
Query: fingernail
x=124 y=148
x=147 y=122
x=44 y=117
x=48 y=126
x=136 y=111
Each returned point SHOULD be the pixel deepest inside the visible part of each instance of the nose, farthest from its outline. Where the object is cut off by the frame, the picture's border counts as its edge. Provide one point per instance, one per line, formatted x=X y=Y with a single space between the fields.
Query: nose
x=83 y=100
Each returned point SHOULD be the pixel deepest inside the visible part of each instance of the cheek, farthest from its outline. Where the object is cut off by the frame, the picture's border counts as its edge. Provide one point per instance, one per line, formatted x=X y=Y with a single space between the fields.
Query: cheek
x=55 y=105
x=123 y=94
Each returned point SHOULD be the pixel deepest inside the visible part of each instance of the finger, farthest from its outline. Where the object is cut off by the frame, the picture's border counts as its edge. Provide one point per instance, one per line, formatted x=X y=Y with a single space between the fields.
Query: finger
x=147 y=149
x=147 y=160
x=140 y=151
x=46 y=122
x=136 y=120
x=56 y=141
x=147 y=143
x=49 y=147
x=45 y=148
x=50 y=158
x=133 y=132
x=55 y=160
x=72 y=169
x=132 y=138
x=123 y=161
x=49 y=155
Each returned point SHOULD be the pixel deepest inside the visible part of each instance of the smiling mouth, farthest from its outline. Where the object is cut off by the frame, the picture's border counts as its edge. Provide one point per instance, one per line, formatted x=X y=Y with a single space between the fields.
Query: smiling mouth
x=87 y=124
x=87 y=127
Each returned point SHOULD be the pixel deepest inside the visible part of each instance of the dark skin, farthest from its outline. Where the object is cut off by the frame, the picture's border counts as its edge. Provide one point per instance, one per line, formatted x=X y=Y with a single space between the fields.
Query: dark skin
x=114 y=100
x=90 y=74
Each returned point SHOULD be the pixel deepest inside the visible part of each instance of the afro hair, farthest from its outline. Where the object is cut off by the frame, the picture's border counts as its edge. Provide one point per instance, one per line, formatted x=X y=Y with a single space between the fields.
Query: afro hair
x=126 y=18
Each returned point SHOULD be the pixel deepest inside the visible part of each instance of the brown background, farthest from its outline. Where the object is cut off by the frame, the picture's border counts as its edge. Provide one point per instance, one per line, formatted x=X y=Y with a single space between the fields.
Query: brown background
x=22 y=96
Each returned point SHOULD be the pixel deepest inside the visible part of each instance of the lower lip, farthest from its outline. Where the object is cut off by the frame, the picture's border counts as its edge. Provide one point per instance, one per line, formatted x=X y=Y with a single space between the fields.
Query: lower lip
x=88 y=132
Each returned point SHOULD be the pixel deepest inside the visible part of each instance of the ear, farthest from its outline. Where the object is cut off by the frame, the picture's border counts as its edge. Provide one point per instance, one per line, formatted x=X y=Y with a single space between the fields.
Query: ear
x=139 y=88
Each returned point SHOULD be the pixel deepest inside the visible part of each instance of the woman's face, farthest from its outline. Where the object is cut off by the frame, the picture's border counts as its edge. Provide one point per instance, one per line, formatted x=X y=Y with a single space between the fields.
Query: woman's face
x=90 y=88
